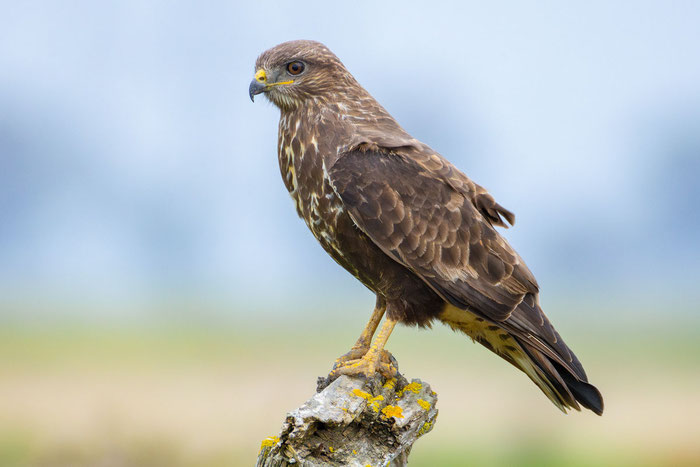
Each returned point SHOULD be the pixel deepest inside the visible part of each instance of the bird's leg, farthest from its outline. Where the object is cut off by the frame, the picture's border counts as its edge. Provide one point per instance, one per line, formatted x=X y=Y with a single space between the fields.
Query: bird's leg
x=376 y=358
x=362 y=345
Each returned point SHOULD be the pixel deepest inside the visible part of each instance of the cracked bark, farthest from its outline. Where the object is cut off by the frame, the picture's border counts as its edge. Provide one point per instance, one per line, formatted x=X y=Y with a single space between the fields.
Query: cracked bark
x=356 y=422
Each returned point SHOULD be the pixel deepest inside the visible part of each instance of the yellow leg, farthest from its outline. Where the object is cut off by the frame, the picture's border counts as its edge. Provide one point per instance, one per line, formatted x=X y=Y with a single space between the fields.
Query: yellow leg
x=376 y=358
x=362 y=345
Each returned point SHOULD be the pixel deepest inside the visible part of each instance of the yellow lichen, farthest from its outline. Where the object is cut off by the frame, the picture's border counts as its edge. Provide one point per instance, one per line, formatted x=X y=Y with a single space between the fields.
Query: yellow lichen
x=390 y=383
x=269 y=442
x=424 y=404
x=425 y=428
x=362 y=394
x=374 y=402
x=371 y=401
x=331 y=448
x=392 y=411
x=413 y=387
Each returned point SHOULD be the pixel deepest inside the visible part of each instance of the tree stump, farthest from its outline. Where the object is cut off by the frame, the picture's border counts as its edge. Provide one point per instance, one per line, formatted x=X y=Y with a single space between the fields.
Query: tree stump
x=356 y=422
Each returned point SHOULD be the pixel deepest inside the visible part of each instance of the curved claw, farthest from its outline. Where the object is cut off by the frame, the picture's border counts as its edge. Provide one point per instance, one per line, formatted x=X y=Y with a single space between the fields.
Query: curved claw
x=369 y=364
x=355 y=353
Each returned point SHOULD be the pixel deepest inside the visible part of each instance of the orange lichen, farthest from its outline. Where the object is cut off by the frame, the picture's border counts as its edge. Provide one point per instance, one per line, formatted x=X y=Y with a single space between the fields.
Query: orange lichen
x=392 y=411
x=374 y=402
x=424 y=404
x=413 y=387
x=371 y=401
x=362 y=394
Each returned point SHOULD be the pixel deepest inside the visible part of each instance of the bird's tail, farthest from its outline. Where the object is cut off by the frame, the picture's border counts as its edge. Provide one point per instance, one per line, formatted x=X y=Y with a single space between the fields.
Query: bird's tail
x=566 y=386
x=557 y=382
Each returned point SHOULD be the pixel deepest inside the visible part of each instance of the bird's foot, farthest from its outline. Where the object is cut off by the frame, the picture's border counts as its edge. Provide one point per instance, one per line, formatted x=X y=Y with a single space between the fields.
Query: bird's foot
x=355 y=353
x=367 y=365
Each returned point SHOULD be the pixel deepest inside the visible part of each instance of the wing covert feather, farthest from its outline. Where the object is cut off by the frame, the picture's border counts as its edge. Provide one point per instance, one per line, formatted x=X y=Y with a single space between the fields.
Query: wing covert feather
x=438 y=231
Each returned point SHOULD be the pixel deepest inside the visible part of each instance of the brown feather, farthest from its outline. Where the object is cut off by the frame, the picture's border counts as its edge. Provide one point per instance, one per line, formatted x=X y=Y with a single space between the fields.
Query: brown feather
x=408 y=224
x=445 y=223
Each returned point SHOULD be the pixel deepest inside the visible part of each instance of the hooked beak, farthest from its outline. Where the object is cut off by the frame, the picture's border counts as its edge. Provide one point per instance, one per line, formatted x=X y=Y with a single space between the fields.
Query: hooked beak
x=256 y=88
x=258 y=85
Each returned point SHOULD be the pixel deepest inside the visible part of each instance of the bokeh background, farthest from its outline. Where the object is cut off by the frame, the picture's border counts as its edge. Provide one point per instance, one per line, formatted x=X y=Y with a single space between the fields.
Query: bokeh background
x=161 y=304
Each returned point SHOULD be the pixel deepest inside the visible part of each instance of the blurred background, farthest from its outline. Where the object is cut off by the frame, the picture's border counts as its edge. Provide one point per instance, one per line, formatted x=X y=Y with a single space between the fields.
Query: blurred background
x=161 y=303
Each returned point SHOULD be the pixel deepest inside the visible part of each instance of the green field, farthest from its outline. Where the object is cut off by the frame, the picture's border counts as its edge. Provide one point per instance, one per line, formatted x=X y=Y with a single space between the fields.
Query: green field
x=197 y=395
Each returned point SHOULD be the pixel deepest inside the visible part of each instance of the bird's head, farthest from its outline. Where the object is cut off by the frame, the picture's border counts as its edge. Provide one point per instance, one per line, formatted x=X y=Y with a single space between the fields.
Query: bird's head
x=293 y=72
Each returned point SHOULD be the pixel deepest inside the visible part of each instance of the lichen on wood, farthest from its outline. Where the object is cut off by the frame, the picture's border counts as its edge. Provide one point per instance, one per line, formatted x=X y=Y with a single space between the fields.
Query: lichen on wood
x=354 y=421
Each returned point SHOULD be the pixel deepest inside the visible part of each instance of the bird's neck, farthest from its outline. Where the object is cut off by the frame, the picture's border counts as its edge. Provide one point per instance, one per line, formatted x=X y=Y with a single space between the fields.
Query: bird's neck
x=343 y=124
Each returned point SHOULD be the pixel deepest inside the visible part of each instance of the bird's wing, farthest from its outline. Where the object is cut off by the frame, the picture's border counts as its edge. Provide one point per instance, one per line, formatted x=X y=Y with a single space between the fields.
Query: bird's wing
x=527 y=320
x=437 y=228
x=438 y=224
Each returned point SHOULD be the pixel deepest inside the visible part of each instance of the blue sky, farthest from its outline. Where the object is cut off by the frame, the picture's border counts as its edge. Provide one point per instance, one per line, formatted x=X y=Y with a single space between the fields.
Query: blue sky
x=134 y=167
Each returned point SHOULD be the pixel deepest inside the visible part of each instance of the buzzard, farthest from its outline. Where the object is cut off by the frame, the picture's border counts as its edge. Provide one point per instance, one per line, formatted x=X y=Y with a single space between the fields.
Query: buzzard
x=408 y=224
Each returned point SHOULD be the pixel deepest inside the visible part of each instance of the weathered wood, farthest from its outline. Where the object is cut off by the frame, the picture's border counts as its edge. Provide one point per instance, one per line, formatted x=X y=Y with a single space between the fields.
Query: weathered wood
x=355 y=422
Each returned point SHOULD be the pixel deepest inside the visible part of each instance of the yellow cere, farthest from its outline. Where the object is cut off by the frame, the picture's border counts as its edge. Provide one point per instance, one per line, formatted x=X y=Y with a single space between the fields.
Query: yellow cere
x=261 y=77
x=269 y=442
x=392 y=411
x=424 y=404
x=413 y=387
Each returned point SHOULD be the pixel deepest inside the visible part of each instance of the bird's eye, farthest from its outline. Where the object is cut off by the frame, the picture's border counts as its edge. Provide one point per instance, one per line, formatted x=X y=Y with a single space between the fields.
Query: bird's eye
x=294 y=68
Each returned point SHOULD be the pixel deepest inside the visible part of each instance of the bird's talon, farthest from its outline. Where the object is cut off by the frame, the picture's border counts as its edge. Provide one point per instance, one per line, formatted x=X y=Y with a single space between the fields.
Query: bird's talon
x=367 y=366
x=355 y=353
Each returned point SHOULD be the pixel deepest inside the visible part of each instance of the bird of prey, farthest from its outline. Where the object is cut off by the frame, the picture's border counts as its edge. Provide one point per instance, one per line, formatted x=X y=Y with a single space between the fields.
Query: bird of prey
x=408 y=224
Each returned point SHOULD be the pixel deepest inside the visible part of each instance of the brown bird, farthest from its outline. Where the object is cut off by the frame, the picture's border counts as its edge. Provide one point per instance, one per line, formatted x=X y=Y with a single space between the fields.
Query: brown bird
x=408 y=224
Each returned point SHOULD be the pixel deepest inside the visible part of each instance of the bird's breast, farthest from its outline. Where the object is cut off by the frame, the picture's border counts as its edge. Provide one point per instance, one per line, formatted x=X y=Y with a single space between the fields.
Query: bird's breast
x=306 y=178
x=303 y=150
